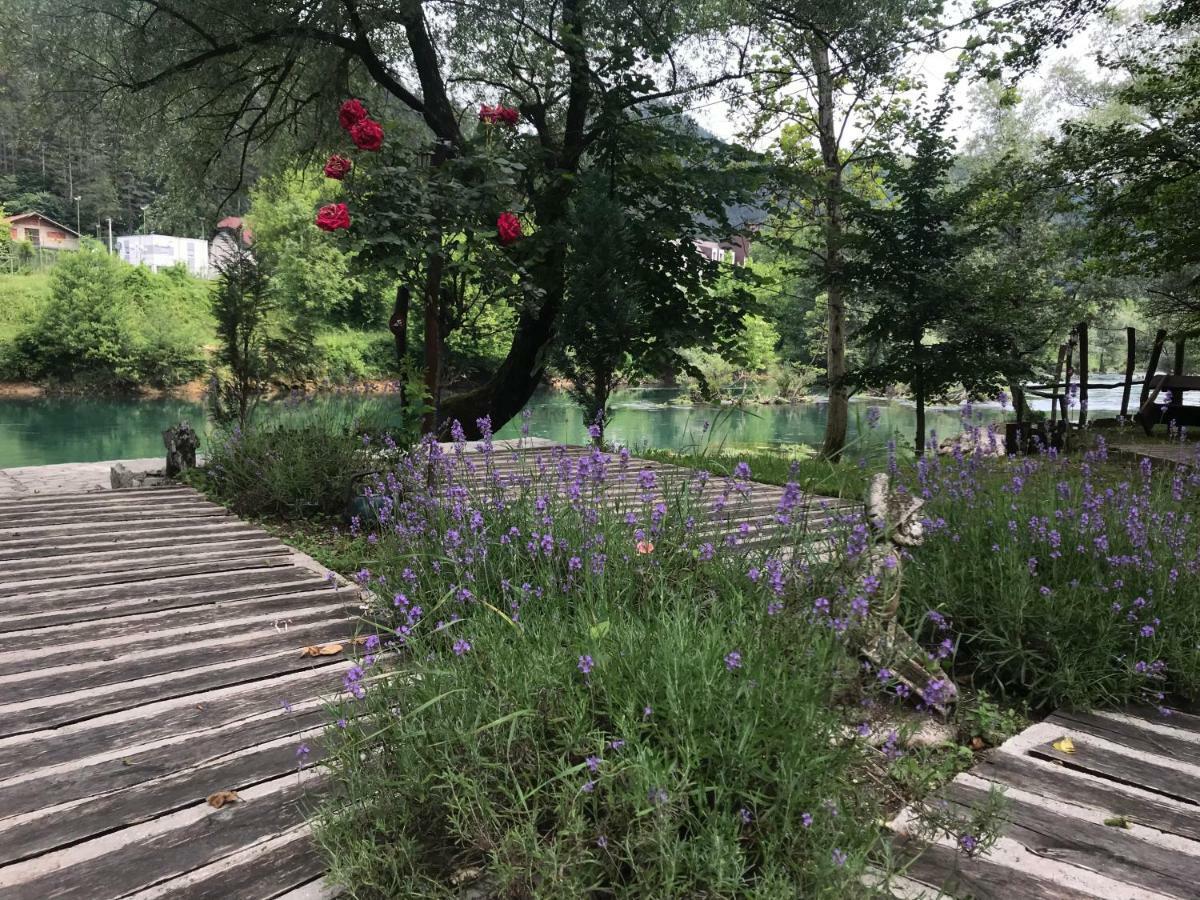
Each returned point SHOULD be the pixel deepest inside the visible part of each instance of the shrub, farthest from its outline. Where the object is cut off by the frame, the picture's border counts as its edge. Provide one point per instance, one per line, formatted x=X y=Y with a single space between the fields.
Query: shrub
x=288 y=469
x=1069 y=580
x=576 y=715
x=347 y=355
x=106 y=323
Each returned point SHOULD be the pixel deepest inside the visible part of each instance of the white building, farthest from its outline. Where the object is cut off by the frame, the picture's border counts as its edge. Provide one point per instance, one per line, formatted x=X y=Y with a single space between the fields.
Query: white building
x=161 y=251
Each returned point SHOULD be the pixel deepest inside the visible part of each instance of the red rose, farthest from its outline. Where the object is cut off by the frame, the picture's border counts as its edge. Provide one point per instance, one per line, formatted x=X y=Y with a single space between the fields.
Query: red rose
x=494 y=115
x=338 y=166
x=351 y=113
x=367 y=134
x=333 y=217
x=508 y=227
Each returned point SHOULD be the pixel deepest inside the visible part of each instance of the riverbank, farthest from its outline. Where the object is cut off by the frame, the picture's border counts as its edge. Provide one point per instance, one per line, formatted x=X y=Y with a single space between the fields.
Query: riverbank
x=26 y=390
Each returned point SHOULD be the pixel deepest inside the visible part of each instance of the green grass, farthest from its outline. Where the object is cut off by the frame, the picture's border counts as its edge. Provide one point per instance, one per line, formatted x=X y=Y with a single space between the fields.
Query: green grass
x=818 y=476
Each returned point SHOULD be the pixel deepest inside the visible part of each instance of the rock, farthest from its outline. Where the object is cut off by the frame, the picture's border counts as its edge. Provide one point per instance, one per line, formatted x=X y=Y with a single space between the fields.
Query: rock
x=181 y=442
x=931 y=733
x=120 y=477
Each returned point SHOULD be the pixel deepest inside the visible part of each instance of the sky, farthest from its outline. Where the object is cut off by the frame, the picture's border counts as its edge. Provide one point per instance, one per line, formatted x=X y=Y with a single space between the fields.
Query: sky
x=719 y=118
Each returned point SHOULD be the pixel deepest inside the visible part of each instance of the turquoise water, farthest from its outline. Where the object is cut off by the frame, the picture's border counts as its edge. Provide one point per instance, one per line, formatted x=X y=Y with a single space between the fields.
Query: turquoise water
x=49 y=430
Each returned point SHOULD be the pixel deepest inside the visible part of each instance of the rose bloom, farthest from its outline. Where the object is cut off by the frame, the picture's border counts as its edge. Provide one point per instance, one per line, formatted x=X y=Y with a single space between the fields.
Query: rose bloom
x=367 y=134
x=494 y=115
x=338 y=166
x=333 y=217
x=351 y=113
x=508 y=227
x=645 y=546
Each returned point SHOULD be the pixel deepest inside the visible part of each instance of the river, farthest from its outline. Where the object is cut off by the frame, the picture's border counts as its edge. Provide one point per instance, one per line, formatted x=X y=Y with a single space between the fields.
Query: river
x=45 y=430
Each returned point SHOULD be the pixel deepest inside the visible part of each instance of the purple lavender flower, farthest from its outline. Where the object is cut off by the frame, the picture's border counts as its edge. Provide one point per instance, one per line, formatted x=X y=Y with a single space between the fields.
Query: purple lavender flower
x=461 y=646
x=806 y=820
x=839 y=857
x=733 y=660
x=585 y=664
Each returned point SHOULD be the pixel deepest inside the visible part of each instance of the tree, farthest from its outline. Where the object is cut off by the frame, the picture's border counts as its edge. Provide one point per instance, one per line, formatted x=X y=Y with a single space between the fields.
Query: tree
x=313 y=277
x=840 y=71
x=243 y=306
x=637 y=291
x=1137 y=176
x=574 y=69
x=928 y=328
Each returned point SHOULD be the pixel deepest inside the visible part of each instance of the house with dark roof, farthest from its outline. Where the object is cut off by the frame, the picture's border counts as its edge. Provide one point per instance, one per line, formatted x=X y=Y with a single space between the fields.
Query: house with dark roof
x=42 y=231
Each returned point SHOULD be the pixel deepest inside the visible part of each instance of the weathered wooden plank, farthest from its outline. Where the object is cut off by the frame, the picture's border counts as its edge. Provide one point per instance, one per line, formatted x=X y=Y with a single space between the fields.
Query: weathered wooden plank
x=115 y=498
x=172 y=720
x=51 y=523
x=1061 y=783
x=976 y=878
x=205 y=835
x=65 y=532
x=1176 y=718
x=138 y=663
x=102 y=512
x=159 y=764
x=282 y=866
x=1129 y=770
x=67 y=708
x=1114 y=852
x=1128 y=734
x=119 y=808
x=25 y=588
x=145 y=626
x=83 y=604
x=272 y=627
x=71 y=545
x=154 y=557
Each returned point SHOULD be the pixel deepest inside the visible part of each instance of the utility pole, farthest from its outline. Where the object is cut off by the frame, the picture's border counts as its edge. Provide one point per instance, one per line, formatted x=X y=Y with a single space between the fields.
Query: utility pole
x=110 y=250
x=145 y=219
x=77 y=199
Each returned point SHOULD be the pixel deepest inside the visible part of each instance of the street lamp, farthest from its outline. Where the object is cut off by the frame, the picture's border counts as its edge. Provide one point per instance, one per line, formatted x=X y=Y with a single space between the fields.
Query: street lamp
x=145 y=227
x=77 y=199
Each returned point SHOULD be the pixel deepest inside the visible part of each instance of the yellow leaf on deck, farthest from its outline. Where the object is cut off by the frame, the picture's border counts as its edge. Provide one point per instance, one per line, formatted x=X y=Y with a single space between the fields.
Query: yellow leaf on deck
x=220 y=798
x=1064 y=745
x=321 y=650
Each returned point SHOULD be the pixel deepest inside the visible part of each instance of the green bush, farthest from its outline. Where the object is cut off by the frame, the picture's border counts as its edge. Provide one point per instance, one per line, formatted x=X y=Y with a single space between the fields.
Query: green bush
x=290 y=469
x=105 y=323
x=347 y=355
x=22 y=298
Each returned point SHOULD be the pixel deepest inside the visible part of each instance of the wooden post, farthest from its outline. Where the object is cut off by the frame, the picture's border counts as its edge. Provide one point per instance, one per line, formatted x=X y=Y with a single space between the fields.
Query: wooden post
x=1082 y=329
x=1160 y=338
x=1177 y=394
x=1067 y=373
x=1058 y=370
x=1130 y=361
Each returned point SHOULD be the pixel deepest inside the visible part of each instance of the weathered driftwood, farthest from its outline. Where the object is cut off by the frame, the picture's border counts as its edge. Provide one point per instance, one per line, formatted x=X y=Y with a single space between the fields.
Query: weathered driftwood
x=181 y=442
x=895 y=525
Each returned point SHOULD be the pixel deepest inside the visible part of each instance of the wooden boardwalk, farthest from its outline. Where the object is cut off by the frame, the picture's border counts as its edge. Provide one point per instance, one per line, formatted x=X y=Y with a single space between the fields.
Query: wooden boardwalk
x=1118 y=818
x=149 y=658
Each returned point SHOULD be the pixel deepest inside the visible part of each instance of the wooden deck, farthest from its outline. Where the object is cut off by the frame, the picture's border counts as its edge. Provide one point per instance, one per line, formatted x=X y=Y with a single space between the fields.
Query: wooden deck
x=1136 y=770
x=1173 y=453
x=149 y=658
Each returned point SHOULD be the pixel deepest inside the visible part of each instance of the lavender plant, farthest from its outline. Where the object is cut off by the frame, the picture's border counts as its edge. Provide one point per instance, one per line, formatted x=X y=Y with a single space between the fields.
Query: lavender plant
x=1060 y=579
x=602 y=684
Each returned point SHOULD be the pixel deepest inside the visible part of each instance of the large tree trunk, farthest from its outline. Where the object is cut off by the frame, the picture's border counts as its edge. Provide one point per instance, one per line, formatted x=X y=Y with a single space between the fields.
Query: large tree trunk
x=838 y=410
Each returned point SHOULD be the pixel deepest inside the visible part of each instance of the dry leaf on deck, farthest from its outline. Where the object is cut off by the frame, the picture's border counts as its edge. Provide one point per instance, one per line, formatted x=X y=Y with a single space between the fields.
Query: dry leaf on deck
x=220 y=798
x=322 y=650
x=1064 y=745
